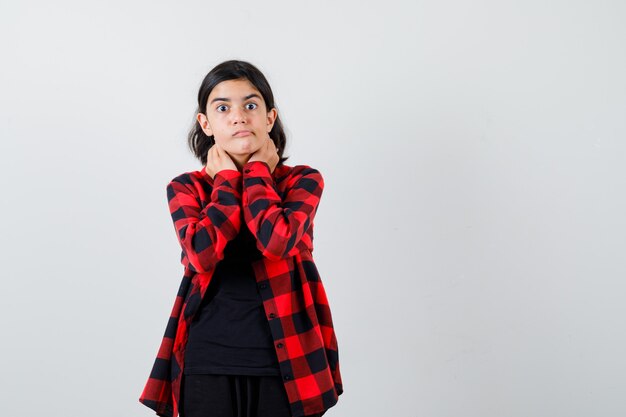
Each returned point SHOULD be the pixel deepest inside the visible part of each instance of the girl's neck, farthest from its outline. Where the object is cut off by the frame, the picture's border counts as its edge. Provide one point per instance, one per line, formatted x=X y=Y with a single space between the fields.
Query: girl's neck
x=240 y=160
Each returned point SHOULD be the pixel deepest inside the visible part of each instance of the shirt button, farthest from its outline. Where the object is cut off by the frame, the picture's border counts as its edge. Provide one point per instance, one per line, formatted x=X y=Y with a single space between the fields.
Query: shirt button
x=280 y=345
x=264 y=285
x=287 y=377
x=272 y=315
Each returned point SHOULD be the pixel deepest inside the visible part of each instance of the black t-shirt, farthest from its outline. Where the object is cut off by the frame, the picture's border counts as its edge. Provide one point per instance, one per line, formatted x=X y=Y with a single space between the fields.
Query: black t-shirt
x=230 y=333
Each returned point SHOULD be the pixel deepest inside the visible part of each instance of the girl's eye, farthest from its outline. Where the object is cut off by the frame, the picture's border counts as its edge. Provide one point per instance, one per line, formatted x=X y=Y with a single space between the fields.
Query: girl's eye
x=223 y=106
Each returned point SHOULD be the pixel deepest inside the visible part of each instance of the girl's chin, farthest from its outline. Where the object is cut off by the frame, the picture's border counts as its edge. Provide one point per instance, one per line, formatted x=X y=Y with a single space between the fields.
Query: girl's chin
x=243 y=148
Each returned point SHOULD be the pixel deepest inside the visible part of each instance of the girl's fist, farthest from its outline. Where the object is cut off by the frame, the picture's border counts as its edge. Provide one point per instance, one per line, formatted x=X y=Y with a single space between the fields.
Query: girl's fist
x=267 y=153
x=217 y=160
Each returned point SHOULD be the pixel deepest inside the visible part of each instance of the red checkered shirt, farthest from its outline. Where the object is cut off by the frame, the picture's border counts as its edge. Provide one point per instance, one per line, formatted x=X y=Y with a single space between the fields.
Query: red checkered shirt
x=278 y=207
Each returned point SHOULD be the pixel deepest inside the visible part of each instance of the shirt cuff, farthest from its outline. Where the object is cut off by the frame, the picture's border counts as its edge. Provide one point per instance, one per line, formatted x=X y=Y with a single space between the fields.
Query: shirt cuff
x=225 y=175
x=257 y=169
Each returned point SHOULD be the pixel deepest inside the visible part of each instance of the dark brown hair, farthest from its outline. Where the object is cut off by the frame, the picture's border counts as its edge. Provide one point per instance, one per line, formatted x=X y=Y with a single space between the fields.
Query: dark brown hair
x=198 y=141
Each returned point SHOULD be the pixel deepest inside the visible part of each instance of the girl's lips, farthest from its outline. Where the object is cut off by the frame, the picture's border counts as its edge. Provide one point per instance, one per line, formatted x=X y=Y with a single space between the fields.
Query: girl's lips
x=240 y=134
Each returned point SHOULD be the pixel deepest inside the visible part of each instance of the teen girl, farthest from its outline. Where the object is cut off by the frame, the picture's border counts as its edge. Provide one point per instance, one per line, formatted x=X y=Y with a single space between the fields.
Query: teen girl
x=251 y=331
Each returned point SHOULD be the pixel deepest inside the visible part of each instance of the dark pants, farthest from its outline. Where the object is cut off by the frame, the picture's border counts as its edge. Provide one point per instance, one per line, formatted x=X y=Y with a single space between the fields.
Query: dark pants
x=234 y=396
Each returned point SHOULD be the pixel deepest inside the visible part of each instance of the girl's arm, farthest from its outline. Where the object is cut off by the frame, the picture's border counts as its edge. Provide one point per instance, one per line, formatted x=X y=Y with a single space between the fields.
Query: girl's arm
x=204 y=232
x=280 y=225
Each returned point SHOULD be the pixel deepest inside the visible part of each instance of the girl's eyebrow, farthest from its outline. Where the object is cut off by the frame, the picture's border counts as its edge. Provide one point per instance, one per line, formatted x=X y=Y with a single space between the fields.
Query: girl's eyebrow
x=227 y=99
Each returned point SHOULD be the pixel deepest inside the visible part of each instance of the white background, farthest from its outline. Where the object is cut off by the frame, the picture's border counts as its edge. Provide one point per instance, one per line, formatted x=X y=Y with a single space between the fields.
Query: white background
x=470 y=237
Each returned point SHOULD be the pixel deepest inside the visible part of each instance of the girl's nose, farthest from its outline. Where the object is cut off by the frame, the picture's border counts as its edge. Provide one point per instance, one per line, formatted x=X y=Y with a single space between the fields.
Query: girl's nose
x=238 y=115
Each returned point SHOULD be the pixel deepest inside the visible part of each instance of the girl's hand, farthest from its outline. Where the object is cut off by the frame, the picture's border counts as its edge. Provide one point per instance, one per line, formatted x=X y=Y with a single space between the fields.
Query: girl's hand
x=267 y=153
x=217 y=160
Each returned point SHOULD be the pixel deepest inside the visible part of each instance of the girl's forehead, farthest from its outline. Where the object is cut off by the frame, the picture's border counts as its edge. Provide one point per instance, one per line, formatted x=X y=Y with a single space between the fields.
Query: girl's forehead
x=234 y=88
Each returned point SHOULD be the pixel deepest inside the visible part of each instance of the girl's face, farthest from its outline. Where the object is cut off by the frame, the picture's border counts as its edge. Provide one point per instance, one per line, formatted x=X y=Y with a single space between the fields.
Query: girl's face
x=237 y=118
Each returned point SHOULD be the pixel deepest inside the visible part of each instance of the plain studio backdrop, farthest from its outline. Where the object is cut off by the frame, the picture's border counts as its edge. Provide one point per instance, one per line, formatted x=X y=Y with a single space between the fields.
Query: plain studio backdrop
x=471 y=235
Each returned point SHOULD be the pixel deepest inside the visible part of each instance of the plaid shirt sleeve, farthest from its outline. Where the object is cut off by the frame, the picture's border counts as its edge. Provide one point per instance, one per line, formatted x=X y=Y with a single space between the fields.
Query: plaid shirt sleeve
x=203 y=232
x=280 y=224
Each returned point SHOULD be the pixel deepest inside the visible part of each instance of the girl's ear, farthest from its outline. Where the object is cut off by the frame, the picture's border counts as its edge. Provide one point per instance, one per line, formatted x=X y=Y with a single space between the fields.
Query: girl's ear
x=271 y=118
x=204 y=124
